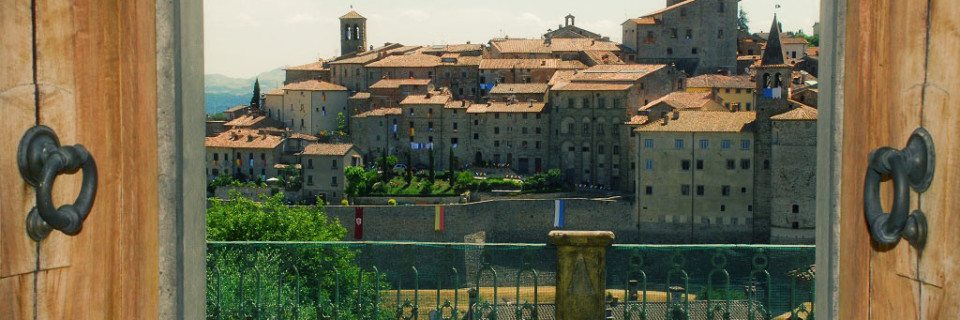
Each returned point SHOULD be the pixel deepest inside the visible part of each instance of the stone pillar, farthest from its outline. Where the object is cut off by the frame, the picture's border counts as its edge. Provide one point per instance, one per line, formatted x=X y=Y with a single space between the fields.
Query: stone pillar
x=581 y=273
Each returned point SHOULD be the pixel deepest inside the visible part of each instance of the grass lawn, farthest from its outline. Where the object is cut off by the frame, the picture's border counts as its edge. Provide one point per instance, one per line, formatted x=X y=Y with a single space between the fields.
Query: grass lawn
x=399 y=186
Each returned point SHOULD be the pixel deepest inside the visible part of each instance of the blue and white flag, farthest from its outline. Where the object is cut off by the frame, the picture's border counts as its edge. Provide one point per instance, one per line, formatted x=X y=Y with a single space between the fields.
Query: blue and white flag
x=394 y=127
x=558 y=214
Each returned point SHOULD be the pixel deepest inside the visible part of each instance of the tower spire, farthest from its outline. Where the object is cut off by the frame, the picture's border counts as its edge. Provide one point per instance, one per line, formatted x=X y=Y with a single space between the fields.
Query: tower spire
x=773 y=53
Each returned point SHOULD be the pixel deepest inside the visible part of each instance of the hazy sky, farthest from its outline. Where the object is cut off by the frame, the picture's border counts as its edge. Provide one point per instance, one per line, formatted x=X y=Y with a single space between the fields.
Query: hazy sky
x=246 y=37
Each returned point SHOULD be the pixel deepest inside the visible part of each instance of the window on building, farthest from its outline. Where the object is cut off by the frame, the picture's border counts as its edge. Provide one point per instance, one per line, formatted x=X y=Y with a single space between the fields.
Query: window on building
x=749 y=207
x=496 y=143
x=699 y=164
x=725 y=191
x=719 y=33
x=585 y=149
x=673 y=33
x=745 y=164
x=669 y=51
x=537 y=130
x=454 y=126
x=476 y=136
x=586 y=128
x=649 y=190
x=721 y=6
x=585 y=102
x=309 y=180
x=309 y=163
x=678 y=143
x=650 y=34
x=766 y=164
x=648 y=164
x=723 y=208
x=333 y=164
x=685 y=190
x=333 y=181
x=600 y=149
x=795 y=209
x=601 y=102
x=683 y=11
x=685 y=165
x=745 y=144
x=749 y=107
x=700 y=190
x=795 y=225
x=689 y=34
x=704 y=144
x=648 y=143
x=600 y=131
x=731 y=164
x=725 y=144
x=693 y=51
x=523 y=130
x=616 y=149
x=538 y=145
x=496 y=130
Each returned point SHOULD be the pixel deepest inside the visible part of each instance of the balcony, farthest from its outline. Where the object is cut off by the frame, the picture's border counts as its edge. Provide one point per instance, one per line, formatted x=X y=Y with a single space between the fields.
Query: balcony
x=410 y=280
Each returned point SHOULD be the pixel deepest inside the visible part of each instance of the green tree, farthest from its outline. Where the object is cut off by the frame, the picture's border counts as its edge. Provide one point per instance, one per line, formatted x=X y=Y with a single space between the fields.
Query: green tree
x=255 y=100
x=453 y=167
x=742 y=21
x=432 y=171
x=342 y=123
x=462 y=181
x=356 y=180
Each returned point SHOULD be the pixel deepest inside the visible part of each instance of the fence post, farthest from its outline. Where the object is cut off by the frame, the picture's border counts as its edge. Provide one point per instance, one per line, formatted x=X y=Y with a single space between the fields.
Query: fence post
x=581 y=273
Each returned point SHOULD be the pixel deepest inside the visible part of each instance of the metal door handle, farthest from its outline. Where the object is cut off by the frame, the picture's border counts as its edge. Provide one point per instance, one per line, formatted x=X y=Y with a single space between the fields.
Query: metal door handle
x=41 y=158
x=911 y=167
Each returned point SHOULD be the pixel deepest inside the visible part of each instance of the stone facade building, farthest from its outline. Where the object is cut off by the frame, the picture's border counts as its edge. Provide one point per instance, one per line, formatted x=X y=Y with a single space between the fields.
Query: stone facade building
x=735 y=92
x=323 y=166
x=309 y=106
x=589 y=138
x=793 y=158
x=698 y=36
x=245 y=153
x=514 y=134
x=319 y=70
x=353 y=33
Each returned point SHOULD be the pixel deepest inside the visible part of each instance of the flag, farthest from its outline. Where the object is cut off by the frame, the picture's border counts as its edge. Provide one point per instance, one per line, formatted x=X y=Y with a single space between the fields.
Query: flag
x=394 y=127
x=411 y=131
x=251 y=162
x=358 y=223
x=438 y=219
x=558 y=214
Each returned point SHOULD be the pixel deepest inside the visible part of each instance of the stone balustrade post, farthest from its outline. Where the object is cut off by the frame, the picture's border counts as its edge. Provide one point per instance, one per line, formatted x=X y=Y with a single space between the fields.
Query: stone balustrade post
x=581 y=273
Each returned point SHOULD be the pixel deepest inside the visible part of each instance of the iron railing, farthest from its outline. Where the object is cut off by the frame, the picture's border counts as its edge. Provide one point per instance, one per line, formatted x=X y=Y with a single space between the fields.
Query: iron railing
x=420 y=280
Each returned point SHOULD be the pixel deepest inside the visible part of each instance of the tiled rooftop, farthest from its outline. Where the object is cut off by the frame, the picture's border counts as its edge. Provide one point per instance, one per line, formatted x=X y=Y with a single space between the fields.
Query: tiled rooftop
x=326 y=149
x=397 y=83
x=720 y=81
x=520 y=88
x=379 y=112
x=244 y=139
x=518 y=107
x=416 y=60
x=314 y=85
x=702 y=121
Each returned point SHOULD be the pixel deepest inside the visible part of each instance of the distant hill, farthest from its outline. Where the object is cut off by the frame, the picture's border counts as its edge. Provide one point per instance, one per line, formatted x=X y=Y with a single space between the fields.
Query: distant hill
x=223 y=92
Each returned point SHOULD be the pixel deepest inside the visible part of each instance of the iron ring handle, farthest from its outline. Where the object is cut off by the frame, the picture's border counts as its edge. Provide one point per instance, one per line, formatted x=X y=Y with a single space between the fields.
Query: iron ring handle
x=886 y=228
x=68 y=159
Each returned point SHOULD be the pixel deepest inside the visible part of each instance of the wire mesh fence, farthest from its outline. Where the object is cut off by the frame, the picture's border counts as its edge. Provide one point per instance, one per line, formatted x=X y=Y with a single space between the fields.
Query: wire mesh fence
x=419 y=280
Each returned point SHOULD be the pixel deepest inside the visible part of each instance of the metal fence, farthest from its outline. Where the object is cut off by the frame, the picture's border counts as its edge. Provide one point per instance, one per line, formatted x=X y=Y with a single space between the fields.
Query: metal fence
x=418 y=280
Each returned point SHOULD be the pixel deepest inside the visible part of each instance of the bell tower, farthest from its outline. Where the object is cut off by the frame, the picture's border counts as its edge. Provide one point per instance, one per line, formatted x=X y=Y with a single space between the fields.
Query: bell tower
x=353 y=33
x=772 y=95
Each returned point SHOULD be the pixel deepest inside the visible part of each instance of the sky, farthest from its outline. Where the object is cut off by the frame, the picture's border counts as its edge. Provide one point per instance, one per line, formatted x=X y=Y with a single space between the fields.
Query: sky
x=245 y=37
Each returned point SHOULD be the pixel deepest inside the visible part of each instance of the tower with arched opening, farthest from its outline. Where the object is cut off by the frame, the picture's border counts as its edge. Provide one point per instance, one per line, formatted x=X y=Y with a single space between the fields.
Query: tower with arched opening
x=353 y=33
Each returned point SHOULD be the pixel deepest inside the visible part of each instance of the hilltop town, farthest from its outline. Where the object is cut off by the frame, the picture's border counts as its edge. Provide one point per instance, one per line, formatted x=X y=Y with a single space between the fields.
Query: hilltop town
x=696 y=126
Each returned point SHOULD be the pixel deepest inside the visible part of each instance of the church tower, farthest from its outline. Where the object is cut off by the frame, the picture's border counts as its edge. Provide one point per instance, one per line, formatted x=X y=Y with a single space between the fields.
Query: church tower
x=772 y=96
x=353 y=33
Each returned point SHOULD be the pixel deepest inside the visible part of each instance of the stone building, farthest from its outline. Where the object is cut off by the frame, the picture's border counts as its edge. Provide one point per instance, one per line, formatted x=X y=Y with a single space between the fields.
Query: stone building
x=349 y=70
x=514 y=134
x=793 y=158
x=699 y=36
x=387 y=93
x=535 y=70
x=773 y=86
x=308 y=106
x=559 y=48
x=319 y=70
x=465 y=50
x=323 y=166
x=421 y=128
x=245 y=153
x=353 y=33
x=376 y=132
x=736 y=92
x=569 y=30
x=695 y=173
x=405 y=66
x=461 y=74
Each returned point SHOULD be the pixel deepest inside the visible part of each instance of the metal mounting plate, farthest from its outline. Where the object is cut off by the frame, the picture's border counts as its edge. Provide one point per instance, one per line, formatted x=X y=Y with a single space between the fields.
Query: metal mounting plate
x=30 y=152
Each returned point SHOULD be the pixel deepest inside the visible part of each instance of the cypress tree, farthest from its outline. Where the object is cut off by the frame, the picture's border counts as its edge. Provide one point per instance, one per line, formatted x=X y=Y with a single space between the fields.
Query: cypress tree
x=255 y=100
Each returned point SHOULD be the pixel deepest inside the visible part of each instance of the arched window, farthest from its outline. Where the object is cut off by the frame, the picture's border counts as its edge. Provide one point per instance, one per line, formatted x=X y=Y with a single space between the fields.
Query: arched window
x=778 y=80
x=356 y=32
x=766 y=81
x=359 y=32
x=346 y=32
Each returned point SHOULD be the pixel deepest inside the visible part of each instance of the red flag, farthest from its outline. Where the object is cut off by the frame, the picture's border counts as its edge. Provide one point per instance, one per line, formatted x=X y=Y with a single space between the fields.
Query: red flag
x=358 y=223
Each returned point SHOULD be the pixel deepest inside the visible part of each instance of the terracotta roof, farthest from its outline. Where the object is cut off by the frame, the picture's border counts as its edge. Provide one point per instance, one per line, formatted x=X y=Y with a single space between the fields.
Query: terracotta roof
x=453 y=48
x=519 y=88
x=407 y=61
x=637 y=120
x=686 y=100
x=314 y=85
x=592 y=86
x=661 y=11
x=503 y=64
x=571 y=65
x=793 y=40
x=284 y=166
x=326 y=149
x=360 y=59
x=303 y=137
x=561 y=76
x=458 y=104
x=352 y=15
x=396 y=83
x=462 y=61
x=720 y=81
x=702 y=121
x=244 y=139
x=521 y=46
x=432 y=98
x=610 y=72
x=237 y=108
x=603 y=57
x=519 y=107
x=799 y=112
x=315 y=66
x=360 y=96
x=582 y=44
x=643 y=20
x=251 y=120
x=275 y=92
x=813 y=51
x=379 y=112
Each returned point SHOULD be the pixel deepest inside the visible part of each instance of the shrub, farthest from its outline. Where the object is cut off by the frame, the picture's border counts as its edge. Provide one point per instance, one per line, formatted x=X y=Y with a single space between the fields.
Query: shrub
x=392 y=202
x=344 y=202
